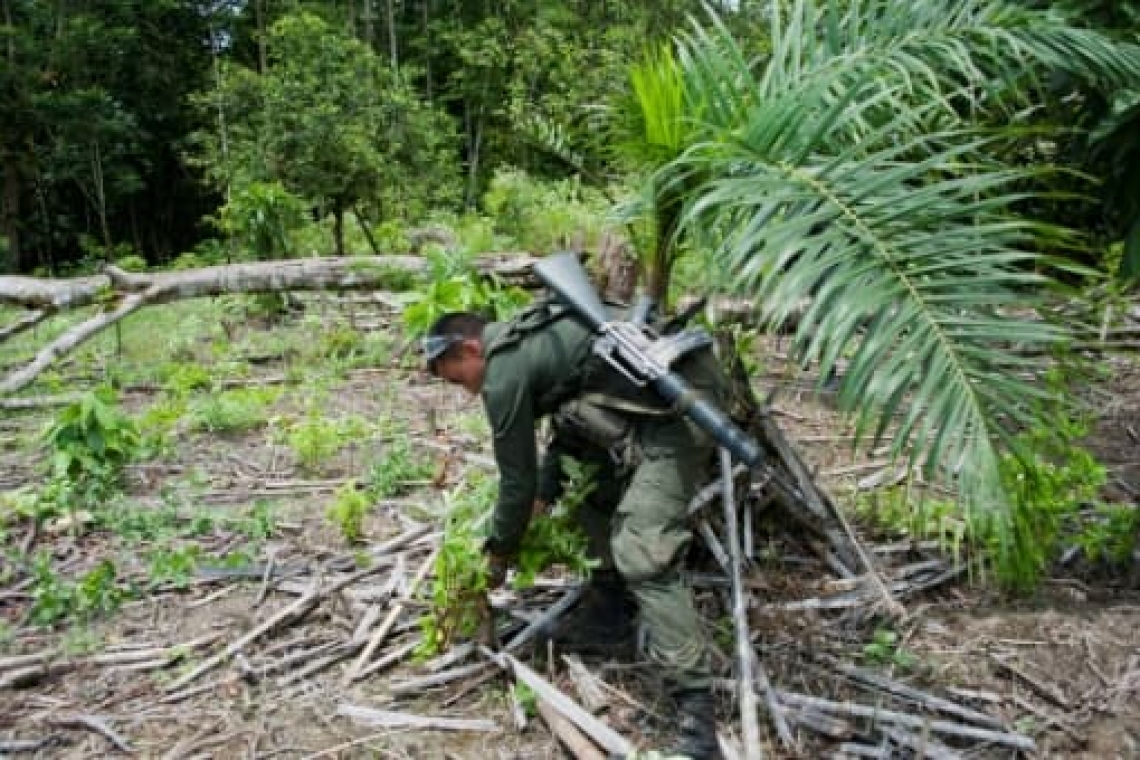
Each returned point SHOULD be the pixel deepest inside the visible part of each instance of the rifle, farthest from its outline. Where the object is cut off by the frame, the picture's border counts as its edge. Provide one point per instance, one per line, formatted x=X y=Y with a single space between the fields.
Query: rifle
x=641 y=356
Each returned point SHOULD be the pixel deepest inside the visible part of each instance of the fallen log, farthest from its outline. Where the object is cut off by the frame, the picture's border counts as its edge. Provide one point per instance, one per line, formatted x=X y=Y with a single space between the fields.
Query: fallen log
x=133 y=291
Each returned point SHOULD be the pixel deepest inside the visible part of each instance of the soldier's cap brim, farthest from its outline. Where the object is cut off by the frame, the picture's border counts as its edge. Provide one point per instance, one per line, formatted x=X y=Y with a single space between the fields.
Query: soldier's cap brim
x=435 y=346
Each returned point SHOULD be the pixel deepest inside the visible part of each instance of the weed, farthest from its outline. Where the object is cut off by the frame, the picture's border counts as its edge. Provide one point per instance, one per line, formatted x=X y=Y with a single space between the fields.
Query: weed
x=348 y=510
x=396 y=471
x=1054 y=484
x=96 y=592
x=461 y=567
x=175 y=566
x=454 y=286
x=884 y=649
x=232 y=411
x=90 y=441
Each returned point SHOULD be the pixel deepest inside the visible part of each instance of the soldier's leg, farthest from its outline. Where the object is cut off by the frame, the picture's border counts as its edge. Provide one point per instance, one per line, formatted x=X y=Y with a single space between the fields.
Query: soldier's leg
x=602 y=623
x=650 y=536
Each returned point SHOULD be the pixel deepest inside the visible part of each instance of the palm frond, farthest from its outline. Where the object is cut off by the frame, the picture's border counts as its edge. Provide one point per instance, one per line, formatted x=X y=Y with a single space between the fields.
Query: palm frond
x=840 y=172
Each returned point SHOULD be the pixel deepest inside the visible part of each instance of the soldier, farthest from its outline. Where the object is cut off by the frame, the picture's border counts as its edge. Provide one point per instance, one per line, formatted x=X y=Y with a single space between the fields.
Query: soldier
x=541 y=364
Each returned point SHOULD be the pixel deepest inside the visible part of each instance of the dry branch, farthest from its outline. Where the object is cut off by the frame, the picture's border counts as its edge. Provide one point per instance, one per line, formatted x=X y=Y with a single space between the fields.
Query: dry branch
x=361 y=668
x=746 y=690
x=387 y=719
x=910 y=721
x=606 y=737
x=574 y=740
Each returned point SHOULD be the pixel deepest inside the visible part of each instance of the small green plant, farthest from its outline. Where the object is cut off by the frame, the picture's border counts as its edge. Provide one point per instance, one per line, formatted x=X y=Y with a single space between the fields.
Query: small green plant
x=175 y=566
x=457 y=597
x=314 y=440
x=397 y=470
x=54 y=599
x=555 y=538
x=455 y=286
x=90 y=442
x=884 y=649
x=460 y=578
x=348 y=510
x=232 y=411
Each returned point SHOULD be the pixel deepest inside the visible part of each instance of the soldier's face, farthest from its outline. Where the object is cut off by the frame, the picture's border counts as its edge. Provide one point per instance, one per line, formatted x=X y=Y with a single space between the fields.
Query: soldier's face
x=463 y=366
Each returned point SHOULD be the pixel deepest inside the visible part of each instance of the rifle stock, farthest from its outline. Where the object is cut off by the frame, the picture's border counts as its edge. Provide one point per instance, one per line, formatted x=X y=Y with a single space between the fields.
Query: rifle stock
x=625 y=345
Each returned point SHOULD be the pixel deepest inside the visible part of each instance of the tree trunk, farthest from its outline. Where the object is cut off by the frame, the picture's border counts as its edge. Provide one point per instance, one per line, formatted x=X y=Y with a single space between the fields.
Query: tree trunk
x=392 y=49
x=338 y=229
x=10 y=214
x=259 y=20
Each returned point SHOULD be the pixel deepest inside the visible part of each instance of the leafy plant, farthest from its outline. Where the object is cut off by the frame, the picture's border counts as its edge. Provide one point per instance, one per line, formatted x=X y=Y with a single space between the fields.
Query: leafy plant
x=232 y=411
x=96 y=592
x=396 y=470
x=555 y=538
x=1056 y=484
x=884 y=649
x=348 y=510
x=455 y=286
x=460 y=578
x=460 y=582
x=90 y=442
x=173 y=565
x=314 y=439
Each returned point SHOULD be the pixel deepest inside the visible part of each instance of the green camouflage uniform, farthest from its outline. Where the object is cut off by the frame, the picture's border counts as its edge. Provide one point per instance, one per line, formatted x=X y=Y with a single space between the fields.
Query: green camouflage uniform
x=541 y=360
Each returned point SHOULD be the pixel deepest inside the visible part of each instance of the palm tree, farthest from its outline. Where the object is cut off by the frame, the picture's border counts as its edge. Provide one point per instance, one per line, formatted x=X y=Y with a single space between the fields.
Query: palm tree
x=864 y=163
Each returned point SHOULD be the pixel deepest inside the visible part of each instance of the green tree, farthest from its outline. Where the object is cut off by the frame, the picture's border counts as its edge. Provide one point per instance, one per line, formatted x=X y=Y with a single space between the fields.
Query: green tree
x=333 y=124
x=864 y=164
x=93 y=111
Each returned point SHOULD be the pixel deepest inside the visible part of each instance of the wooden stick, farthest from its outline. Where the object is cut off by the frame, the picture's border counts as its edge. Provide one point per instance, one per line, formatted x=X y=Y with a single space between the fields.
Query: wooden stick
x=923 y=746
x=748 y=715
x=96 y=724
x=587 y=684
x=606 y=737
x=575 y=742
x=912 y=721
x=416 y=685
x=387 y=719
x=775 y=709
x=286 y=616
x=922 y=698
x=358 y=669
x=552 y=613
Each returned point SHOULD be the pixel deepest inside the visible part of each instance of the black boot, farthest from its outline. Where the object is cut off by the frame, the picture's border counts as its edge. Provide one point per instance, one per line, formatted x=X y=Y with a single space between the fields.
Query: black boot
x=697 y=736
x=601 y=625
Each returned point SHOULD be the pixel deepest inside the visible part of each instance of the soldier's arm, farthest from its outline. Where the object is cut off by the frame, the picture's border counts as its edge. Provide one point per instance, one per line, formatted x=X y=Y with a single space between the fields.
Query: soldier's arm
x=510 y=412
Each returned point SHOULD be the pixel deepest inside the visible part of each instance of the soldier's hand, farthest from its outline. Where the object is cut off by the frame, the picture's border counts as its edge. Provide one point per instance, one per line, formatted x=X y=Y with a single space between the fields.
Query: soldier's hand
x=497 y=567
x=539 y=507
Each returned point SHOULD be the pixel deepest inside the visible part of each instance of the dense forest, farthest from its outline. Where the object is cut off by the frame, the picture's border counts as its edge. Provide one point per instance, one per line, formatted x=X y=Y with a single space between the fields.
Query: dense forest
x=159 y=128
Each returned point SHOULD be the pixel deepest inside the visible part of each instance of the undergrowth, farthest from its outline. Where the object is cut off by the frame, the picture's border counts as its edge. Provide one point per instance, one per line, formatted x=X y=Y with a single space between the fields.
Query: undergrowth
x=1055 y=487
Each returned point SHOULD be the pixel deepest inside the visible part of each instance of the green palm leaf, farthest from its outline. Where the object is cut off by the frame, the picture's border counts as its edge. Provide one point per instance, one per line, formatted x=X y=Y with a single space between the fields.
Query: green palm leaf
x=854 y=168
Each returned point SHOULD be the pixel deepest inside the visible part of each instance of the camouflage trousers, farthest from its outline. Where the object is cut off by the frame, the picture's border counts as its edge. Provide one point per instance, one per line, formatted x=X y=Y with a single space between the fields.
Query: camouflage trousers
x=645 y=537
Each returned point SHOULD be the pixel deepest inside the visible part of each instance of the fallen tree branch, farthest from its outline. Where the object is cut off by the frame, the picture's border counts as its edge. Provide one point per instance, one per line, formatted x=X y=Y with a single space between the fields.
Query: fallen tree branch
x=575 y=742
x=606 y=737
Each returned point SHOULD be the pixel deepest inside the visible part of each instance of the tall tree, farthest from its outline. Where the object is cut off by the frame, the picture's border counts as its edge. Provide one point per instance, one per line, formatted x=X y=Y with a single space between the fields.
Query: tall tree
x=93 y=115
x=331 y=122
